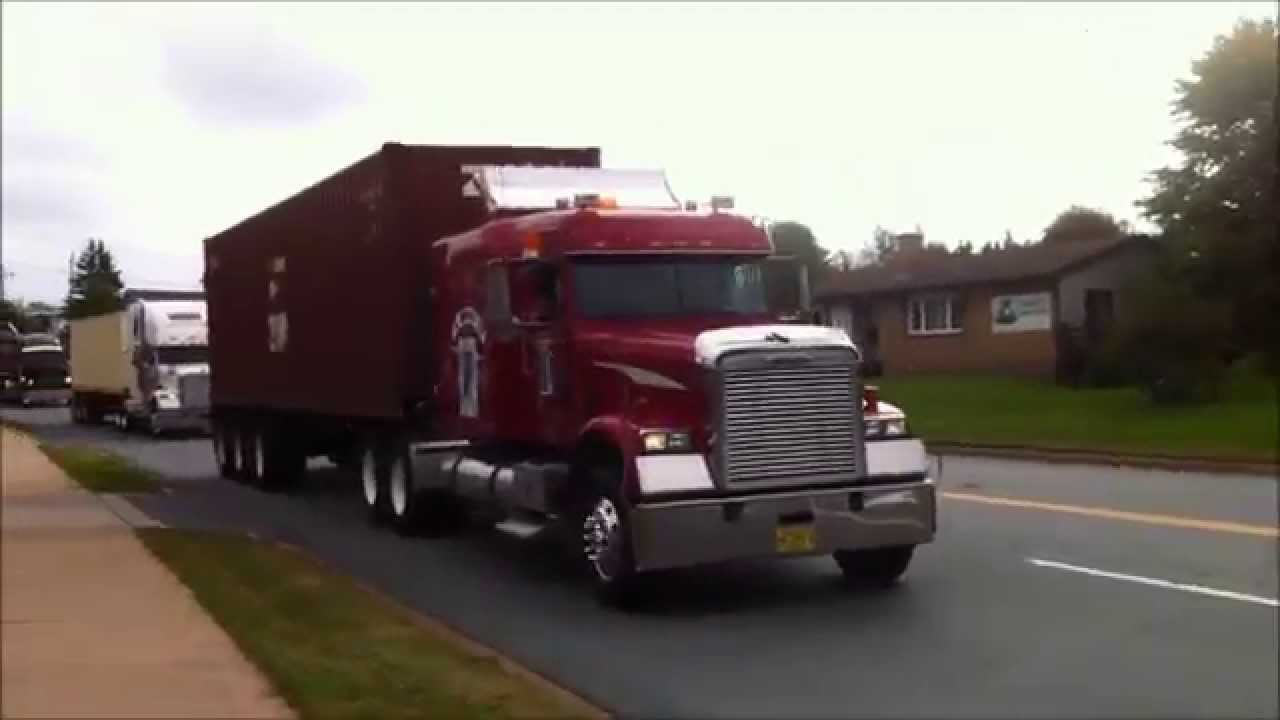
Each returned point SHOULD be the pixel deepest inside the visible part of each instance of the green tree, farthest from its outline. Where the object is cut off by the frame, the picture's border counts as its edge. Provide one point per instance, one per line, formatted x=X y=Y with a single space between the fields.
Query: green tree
x=1078 y=223
x=797 y=240
x=1218 y=207
x=95 y=286
x=12 y=312
x=879 y=248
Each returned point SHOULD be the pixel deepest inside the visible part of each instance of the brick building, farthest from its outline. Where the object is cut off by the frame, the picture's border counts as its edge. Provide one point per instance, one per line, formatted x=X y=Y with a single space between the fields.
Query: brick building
x=1022 y=310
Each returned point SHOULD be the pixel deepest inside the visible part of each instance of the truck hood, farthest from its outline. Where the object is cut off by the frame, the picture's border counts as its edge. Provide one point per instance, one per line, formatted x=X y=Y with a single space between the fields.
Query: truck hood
x=658 y=354
x=679 y=347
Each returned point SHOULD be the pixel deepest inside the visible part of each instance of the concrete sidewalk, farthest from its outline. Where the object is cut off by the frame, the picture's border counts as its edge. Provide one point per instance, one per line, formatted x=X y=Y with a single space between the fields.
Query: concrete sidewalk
x=93 y=624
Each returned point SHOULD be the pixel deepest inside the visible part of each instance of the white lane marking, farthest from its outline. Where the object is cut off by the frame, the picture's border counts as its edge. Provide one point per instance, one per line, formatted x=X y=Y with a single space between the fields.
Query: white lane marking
x=1156 y=582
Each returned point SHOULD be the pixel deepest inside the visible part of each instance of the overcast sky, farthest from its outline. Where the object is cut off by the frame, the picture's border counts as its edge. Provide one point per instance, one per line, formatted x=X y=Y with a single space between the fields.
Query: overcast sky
x=154 y=126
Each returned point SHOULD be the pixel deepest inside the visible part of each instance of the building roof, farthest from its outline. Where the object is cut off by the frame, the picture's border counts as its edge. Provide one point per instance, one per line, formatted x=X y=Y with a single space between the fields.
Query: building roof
x=926 y=269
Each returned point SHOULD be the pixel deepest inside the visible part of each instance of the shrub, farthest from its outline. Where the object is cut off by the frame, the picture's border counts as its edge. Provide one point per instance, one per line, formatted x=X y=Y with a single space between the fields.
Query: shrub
x=1175 y=342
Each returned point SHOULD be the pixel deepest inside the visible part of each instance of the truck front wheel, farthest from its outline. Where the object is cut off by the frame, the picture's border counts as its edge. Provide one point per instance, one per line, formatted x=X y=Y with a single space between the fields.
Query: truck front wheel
x=606 y=538
x=874 y=567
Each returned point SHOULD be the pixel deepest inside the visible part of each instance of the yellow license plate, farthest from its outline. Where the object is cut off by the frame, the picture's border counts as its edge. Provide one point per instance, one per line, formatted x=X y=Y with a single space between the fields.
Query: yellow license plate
x=795 y=538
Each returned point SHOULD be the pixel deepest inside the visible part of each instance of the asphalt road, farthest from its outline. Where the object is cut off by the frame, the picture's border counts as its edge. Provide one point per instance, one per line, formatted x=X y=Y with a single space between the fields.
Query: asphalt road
x=1052 y=591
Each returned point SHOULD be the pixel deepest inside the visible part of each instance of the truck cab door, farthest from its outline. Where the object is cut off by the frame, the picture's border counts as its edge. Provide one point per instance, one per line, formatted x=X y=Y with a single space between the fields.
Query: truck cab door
x=538 y=314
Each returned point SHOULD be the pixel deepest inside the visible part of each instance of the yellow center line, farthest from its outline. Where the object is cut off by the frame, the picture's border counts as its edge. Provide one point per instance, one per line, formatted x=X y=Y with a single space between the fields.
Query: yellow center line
x=1268 y=531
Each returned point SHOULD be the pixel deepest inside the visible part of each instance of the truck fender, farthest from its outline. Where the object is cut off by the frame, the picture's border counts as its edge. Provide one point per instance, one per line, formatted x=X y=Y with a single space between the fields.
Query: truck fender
x=610 y=434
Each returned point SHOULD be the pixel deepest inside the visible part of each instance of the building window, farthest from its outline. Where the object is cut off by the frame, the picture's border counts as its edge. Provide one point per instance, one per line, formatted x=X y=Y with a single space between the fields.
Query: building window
x=935 y=314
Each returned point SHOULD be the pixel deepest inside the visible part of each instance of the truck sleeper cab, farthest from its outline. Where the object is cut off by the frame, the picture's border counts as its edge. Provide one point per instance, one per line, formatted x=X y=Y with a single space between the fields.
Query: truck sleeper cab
x=621 y=374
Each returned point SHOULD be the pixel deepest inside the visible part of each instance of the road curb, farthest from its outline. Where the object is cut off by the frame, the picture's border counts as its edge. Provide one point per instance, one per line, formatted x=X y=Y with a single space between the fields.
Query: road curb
x=1087 y=457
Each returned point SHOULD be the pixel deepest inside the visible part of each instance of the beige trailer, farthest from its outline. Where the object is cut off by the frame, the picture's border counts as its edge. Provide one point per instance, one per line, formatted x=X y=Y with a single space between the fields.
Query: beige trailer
x=102 y=374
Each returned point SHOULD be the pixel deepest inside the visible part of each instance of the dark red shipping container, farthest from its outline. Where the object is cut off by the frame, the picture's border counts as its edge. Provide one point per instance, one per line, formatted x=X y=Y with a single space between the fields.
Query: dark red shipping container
x=320 y=304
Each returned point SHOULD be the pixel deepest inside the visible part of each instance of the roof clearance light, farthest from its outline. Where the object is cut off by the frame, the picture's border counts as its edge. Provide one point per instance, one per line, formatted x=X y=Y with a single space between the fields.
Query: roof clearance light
x=532 y=245
x=583 y=200
x=610 y=203
x=721 y=202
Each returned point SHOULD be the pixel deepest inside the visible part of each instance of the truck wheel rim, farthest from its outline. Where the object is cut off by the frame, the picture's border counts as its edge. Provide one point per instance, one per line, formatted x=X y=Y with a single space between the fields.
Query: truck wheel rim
x=369 y=479
x=399 y=488
x=602 y=538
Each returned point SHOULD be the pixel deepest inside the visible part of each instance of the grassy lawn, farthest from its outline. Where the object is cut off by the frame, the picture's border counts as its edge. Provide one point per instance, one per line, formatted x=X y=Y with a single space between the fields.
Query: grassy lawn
x=333 y=650
x=1017 y=412
x=101 y=471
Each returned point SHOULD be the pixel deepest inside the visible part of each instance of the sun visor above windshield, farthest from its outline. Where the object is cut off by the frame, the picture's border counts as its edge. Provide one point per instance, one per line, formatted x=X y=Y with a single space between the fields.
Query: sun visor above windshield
x=513 y=187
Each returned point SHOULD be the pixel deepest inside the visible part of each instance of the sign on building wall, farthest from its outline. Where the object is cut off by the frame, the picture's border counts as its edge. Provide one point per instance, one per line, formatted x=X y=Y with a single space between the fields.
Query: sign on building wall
x=1021 y=313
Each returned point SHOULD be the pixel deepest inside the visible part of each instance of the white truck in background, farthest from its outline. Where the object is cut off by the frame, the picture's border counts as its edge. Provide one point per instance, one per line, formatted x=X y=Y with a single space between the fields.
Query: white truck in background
x=146 y=366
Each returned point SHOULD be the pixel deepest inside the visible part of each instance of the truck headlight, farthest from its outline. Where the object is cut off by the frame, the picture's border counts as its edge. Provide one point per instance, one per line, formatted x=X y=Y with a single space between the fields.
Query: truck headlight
x=895 y=427
x=659 y=441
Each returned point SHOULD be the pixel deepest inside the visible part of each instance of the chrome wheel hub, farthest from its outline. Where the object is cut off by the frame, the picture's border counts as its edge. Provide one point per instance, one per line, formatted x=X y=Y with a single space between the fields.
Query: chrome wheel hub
x=399 y=486
x=602 y=538
x=369 y=478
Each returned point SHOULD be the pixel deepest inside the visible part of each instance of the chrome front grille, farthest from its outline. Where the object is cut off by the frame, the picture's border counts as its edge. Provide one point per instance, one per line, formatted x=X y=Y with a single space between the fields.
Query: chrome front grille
x=195 y=391
x=790 y=422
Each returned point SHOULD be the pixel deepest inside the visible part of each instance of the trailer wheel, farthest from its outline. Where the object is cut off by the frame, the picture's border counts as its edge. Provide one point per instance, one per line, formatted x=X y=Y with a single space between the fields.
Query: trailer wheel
x=874 y=567
x=373 y=479
x=605 y=545
x=251 y=459
x=77 y=411
x=224 y=450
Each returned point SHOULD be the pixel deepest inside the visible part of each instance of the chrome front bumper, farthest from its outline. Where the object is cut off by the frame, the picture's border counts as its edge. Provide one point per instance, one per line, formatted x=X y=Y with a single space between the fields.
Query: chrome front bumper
x=680 y=533
x=46 y=396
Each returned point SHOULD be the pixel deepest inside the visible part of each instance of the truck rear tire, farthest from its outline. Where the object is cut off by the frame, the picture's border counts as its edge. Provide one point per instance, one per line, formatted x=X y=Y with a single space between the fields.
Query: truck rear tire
x=605 y=546
x=874 y=567
x=433 y=513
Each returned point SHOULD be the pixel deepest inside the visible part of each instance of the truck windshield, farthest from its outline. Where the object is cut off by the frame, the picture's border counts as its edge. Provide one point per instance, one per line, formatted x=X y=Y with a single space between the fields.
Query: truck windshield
x=182 y=354
x=33 y=360
x=662 y=286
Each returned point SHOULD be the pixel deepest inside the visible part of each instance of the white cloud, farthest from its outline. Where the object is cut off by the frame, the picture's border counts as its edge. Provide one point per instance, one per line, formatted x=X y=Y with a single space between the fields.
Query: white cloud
x=153 y=126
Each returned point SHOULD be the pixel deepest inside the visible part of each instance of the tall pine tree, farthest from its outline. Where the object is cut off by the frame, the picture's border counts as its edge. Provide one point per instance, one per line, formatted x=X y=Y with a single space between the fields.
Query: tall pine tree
x=95 y=287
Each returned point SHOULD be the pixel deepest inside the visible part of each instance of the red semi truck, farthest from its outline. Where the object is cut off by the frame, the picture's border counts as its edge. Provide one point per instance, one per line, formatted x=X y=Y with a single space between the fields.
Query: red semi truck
x=519 y=332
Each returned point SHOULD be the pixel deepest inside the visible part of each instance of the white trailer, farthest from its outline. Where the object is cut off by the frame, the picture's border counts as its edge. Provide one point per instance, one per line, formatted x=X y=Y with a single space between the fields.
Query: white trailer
x=146 y=366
